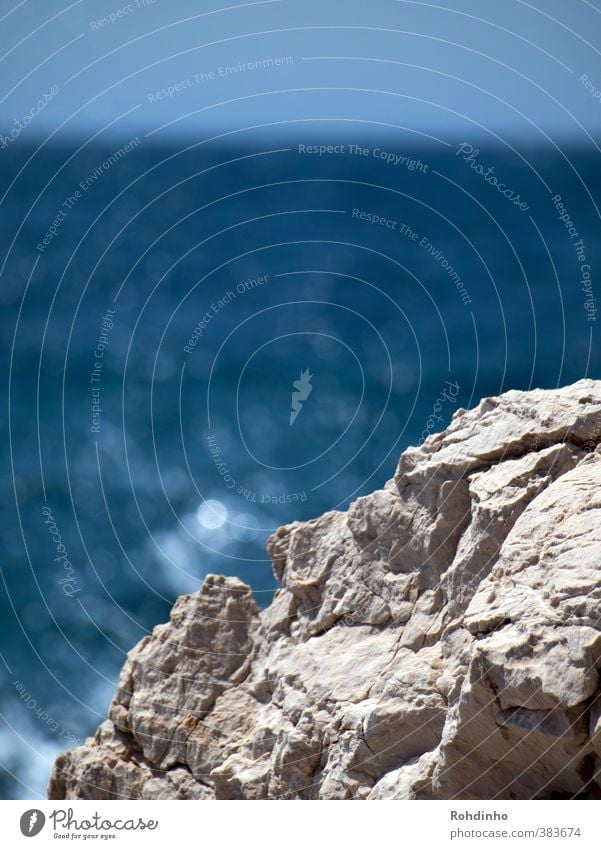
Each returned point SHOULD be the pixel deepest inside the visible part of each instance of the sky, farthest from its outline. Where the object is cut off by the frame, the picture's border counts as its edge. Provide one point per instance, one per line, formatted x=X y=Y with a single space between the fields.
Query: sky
x=468 y=68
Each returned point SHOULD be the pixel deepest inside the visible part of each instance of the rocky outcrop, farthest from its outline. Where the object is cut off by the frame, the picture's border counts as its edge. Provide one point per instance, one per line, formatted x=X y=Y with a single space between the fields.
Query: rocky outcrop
x=441 y=639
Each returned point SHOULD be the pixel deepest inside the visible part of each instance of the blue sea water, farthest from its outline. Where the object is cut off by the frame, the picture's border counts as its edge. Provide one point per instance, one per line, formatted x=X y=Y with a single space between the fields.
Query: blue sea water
x=151 y=344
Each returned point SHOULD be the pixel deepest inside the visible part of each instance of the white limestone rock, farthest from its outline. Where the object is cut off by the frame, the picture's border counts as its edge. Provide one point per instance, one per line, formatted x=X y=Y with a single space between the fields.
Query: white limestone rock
x=441 y=639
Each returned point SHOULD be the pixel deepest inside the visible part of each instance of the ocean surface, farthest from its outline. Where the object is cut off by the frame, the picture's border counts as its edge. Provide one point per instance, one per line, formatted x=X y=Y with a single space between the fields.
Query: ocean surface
x=202 y=342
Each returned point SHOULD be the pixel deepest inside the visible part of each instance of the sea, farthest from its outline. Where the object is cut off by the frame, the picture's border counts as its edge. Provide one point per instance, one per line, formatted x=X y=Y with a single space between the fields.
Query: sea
x=207 y=339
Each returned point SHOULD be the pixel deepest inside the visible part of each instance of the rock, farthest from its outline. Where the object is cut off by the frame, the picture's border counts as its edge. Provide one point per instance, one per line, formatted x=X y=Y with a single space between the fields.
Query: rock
x=440 y=640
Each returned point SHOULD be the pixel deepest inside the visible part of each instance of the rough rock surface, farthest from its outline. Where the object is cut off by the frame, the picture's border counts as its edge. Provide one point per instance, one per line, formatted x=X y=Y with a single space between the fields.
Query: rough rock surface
x=441 y=639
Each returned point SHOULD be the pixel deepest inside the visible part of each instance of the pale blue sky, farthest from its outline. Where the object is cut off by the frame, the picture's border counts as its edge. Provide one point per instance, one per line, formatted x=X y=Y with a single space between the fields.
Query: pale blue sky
x=476 y=66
